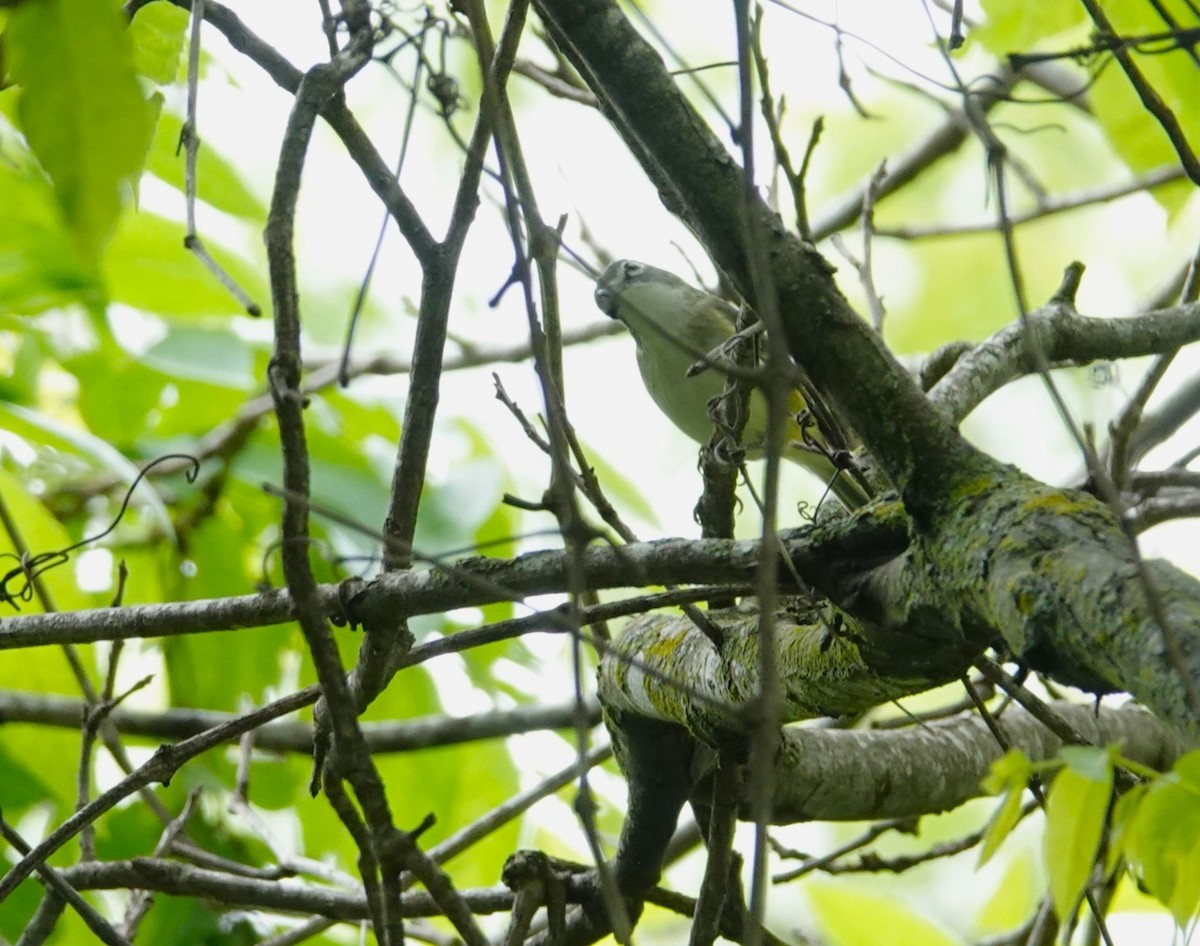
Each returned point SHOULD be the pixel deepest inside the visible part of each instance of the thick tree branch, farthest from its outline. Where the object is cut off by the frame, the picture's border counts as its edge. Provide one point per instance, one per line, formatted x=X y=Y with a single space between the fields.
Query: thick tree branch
x=857 y=775
x=1066 y=338
x=992 y=551
x=469 y=582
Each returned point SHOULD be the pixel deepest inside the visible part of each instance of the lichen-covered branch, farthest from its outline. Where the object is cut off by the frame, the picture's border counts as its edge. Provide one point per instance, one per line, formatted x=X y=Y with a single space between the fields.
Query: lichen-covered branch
x=472 y=581
x=828 y=662
x=1065 y=337
x=1048 y=571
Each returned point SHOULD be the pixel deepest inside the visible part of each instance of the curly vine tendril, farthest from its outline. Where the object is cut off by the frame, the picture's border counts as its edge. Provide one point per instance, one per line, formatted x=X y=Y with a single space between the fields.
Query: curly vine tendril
x=32 y=566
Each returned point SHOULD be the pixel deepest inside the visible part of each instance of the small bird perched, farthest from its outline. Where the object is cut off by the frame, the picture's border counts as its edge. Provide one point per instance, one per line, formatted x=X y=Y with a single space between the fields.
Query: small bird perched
x=676 y=325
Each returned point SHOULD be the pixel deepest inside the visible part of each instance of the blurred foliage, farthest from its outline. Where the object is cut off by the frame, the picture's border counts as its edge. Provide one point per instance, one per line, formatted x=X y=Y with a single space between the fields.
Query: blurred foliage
x=88 y=125
x=849 y=917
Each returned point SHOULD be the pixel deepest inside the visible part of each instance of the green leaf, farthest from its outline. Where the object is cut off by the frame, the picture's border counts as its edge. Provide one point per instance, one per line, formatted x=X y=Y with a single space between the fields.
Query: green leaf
x=193 y=920
x=20 y=907
x=1005 y=818
x=1076 y=806
x=1090 y=762
x=1163 y=841
x=1137 y=137
x=214 y=356
x=217 y=181
x=127 y=831
x=201 y=673
x=199 y=670
x=39 y=532
x=197 y=408
x=55 y=751
x=81 y=108
x=1012 y=770
x=855 y=917
x=27 y=360
x=620 y=490
x=1010 y=27
x=148 y=267
x=1188 y=769
x=117 y=393
x=1014 y=898
x=453 y=510
x=38 y=763
x=157 y=36
x=1135 y=134
x=342 y=480
x=20 y=787
x=1009 y=776
x=338 y=413
x=458 y=783
x=39 y=266
x=41 y=430
x=1123 y=814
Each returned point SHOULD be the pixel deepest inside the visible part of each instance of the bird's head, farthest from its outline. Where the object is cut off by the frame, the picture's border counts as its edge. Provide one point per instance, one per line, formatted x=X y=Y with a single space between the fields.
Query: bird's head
x=615 y=279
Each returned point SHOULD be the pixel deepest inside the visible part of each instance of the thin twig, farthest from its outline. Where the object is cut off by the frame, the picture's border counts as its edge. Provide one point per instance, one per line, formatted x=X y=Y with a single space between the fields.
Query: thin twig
x=1150 y=98
x=95 y=922
x=190 y=140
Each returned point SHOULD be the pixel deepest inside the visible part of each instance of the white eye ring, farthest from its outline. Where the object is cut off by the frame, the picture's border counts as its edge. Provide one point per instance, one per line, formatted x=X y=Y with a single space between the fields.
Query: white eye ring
x=632 y=268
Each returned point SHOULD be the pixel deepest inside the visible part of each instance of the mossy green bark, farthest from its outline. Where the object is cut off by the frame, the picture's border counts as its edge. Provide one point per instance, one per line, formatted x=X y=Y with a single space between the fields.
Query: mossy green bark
x=1047 y=571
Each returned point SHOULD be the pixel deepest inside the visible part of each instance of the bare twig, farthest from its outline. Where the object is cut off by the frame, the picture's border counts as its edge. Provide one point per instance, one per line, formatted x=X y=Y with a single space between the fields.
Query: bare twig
x=1048 y=207
x=62 y=888
x=190 y=140
x=1150 y=98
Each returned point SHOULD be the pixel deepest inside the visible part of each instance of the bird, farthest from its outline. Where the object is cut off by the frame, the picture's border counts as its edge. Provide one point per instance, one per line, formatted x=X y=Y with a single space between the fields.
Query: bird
x=675 y=326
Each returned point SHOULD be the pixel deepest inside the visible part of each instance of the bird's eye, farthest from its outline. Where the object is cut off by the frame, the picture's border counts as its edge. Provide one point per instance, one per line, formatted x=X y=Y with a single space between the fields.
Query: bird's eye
x=632 y=268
